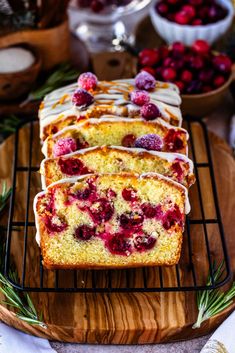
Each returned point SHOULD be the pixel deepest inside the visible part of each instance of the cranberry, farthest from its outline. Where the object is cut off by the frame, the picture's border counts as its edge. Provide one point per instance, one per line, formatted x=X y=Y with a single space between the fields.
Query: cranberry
x=194 y=87
x=142 y=243
x=189 y=10
x=203 y=13
x=206 y=75
x=139 y=97
x=222 y=63
x=178 y=48
x=201 y=47
x=206 y=89
x=148 y=69
x=195 y=2
x=111 y=193
x=131 y=220
x=84 y=232
x=186 y=76
x=150 y=111
x=173 y=141
x=164 y=52
x=180 y=85
x=145 y=81
x=162 y=8
x=81 y=98
x=177 y=169
x=53 y=227
x=97 y=5
x=129 y=194
x=71 y=166
x=219 y=81
x=197 y=22
x=196 y=62
x=168 y=74
x=64 y=146
x=82 y=194
x=118 y=244
x=128 y=140
x=54 y=129
x=213 y=13
x=101 y=210
x=149 y=57
x=182 y=17
x=173 y=217
x=149 y=142
x=151 y=211
x=87 y=81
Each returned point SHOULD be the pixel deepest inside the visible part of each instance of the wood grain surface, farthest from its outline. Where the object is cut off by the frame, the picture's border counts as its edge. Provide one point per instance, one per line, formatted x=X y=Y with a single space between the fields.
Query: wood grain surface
x=124 y=318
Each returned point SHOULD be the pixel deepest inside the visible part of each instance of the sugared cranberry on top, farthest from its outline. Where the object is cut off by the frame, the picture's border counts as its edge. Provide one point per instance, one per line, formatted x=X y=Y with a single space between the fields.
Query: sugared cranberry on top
x=150 y=111
x=81 y=98
x=139 y=97
x=145 y=81
x=64 y=146
x=150 y=142
x=87 y=81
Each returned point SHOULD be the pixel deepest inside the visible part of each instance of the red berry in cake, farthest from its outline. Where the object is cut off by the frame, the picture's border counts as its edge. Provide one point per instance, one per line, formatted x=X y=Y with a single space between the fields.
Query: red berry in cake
x=87 y=81
x=150 y=111
x=111 y=193
x=131 y=220
x=84 y=232
x=149 y=142
x=139 y=97
x=129 y=194
x=149 y=57
x=168 y=74
x=128 y=140
x=71 y=166
x=118 y=244
x=144 y=242
x=219 y=81
x=55 y=224
x=81 y=98
x=177 y=169
x=173 y=140
x=151 y=211
x=148 y=69
x=182 y=17
x=201 y=47
x=64 y=146
x=172 y=217
x=222 y=63
x=186 y=76
x=145 y=81
x=101 y=210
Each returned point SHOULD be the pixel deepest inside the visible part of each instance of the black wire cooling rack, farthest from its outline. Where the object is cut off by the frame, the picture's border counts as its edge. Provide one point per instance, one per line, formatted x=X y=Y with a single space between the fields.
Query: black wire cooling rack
x=203 y=244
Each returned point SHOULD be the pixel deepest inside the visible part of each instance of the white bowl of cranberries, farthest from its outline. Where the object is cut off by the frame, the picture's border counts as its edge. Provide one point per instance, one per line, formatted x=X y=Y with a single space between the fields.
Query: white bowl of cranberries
x=202 y=75
x=177 y=20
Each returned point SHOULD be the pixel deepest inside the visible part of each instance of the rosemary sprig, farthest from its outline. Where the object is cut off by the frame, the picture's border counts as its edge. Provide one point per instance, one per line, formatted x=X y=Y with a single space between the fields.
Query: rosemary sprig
x=9 y=124
x=212 y=302
x=5 y=194
x=62 y=76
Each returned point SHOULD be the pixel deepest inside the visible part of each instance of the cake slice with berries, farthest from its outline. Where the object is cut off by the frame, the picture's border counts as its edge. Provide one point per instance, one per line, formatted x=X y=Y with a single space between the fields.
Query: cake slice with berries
x=111 y=221
x=150 y=135
x=115 y=159
x=89 y=98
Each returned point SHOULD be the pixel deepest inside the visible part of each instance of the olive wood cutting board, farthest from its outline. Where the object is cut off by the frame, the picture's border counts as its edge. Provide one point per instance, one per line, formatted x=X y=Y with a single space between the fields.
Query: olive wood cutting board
x=123 y=318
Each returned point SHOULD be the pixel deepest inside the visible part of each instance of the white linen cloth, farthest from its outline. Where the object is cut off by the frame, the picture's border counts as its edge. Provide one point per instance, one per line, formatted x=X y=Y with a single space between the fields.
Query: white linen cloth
x=14 y=341
x=223 y=339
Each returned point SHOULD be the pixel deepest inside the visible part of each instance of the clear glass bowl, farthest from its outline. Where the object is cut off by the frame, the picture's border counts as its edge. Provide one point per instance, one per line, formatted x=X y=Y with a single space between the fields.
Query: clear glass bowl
x=107 y=29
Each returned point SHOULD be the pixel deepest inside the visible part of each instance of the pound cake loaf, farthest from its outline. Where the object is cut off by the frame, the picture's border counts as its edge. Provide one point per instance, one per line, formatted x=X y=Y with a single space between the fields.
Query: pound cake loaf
x=89 y=98
x=115 y=159
x=111 y=221
x=150 y=135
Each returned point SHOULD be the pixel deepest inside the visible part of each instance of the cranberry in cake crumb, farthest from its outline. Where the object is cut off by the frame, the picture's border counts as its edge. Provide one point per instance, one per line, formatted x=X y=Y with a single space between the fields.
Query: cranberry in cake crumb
x=150 y=111
x=84 y=232
x=118 y=244
x=172 y=217
x=151 y=211
x=177 y=169
x=139 y=97
x=81 y=98
x=72 y=166
x=129 y=194
x=55 y=224
x=128 y=140
x=173 y=140
x=87 y=81
x=64 y=146
x=145 y=81
x=144 y=242
x=149 y=142
x=101 y=211
x=131 y=220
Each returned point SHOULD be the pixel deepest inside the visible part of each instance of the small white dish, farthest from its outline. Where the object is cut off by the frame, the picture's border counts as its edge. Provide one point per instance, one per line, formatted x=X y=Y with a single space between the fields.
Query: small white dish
x=173 y=32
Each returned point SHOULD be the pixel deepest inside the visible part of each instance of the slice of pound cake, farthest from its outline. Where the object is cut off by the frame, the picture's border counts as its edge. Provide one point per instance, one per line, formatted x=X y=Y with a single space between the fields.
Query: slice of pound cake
x=111 y=221
x=115 y=159
x=150 y=135
x=89 y=98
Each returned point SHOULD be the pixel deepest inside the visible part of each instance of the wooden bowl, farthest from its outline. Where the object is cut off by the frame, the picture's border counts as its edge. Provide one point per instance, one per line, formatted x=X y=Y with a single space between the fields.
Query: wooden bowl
x=15 y=84
x=202 y=104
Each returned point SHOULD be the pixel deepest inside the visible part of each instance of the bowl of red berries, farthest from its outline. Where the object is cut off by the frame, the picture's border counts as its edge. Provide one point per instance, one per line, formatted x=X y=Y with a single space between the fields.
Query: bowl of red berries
x=201 y=74
x=186 y=21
